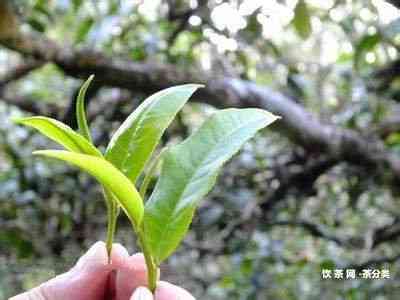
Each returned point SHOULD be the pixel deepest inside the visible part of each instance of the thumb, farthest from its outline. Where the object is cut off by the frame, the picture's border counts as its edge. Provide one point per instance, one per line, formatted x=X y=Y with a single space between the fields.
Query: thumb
x=142 y=293
x=87 y=280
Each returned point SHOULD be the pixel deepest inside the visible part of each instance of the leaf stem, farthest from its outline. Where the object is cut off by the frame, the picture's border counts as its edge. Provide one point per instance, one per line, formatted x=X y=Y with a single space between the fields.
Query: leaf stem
x=152 y=268
x=112 y=216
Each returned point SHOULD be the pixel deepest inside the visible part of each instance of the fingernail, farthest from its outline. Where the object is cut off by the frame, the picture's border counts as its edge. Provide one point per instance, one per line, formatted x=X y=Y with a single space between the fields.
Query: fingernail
x=118 y=255
x=121 y=250
x=142 y=293
x=95 y=254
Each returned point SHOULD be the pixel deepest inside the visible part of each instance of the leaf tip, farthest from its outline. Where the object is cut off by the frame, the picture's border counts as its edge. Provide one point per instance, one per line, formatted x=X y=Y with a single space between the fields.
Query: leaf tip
x=26 y=120
x=200 y=86
x=18 y=120
x=275 y=117
x=90 y=79
x=39 y=152
x=49 y=153
x=195 y=85
x=270 y=117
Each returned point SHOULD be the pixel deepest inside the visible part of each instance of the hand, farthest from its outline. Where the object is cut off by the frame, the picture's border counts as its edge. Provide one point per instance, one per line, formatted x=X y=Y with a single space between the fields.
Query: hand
x=93 y=278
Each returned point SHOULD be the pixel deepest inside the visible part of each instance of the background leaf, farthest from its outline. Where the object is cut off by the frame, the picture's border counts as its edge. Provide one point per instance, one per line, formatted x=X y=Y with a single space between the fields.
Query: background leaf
x=109 y=176
x=60 y=133
x=134 y=142
x=77 y=4
x=367 y=43
x=189 y=171
x=301 y=20
x=84 y=29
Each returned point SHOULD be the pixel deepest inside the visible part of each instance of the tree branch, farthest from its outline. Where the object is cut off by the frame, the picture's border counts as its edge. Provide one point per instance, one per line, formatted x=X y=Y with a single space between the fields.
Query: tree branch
x=30 y=105
x=20 y=71
x=314 y=229
x=301 y=181
x=375 y=262
x=386 y=233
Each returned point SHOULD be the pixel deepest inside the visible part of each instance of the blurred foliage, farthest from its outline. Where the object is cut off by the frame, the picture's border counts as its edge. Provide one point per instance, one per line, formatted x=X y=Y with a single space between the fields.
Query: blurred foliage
x=320 y=53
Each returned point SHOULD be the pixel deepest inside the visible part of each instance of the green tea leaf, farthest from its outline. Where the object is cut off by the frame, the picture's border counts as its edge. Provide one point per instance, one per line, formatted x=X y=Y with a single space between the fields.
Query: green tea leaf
x=109 y=176
x=80 y=110
x=302 y=20
x=61 y=134
x=189 y=171
x=134 y=142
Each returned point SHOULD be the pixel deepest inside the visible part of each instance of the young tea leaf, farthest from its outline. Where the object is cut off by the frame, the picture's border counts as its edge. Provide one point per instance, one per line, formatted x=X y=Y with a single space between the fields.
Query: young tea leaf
x=80 y=110
x=134 y=142
x=189 y=171
x=60 y=133
x=116 y=182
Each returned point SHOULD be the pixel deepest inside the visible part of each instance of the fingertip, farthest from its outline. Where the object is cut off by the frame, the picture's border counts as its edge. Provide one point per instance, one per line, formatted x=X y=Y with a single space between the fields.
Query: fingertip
x=168 y=291
x=142 y=293
x=118 y=255
x=130 y=275
x=136 y=262
x=96 y=256
x=138 y=257
x=120 y=249
x=97 y=245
